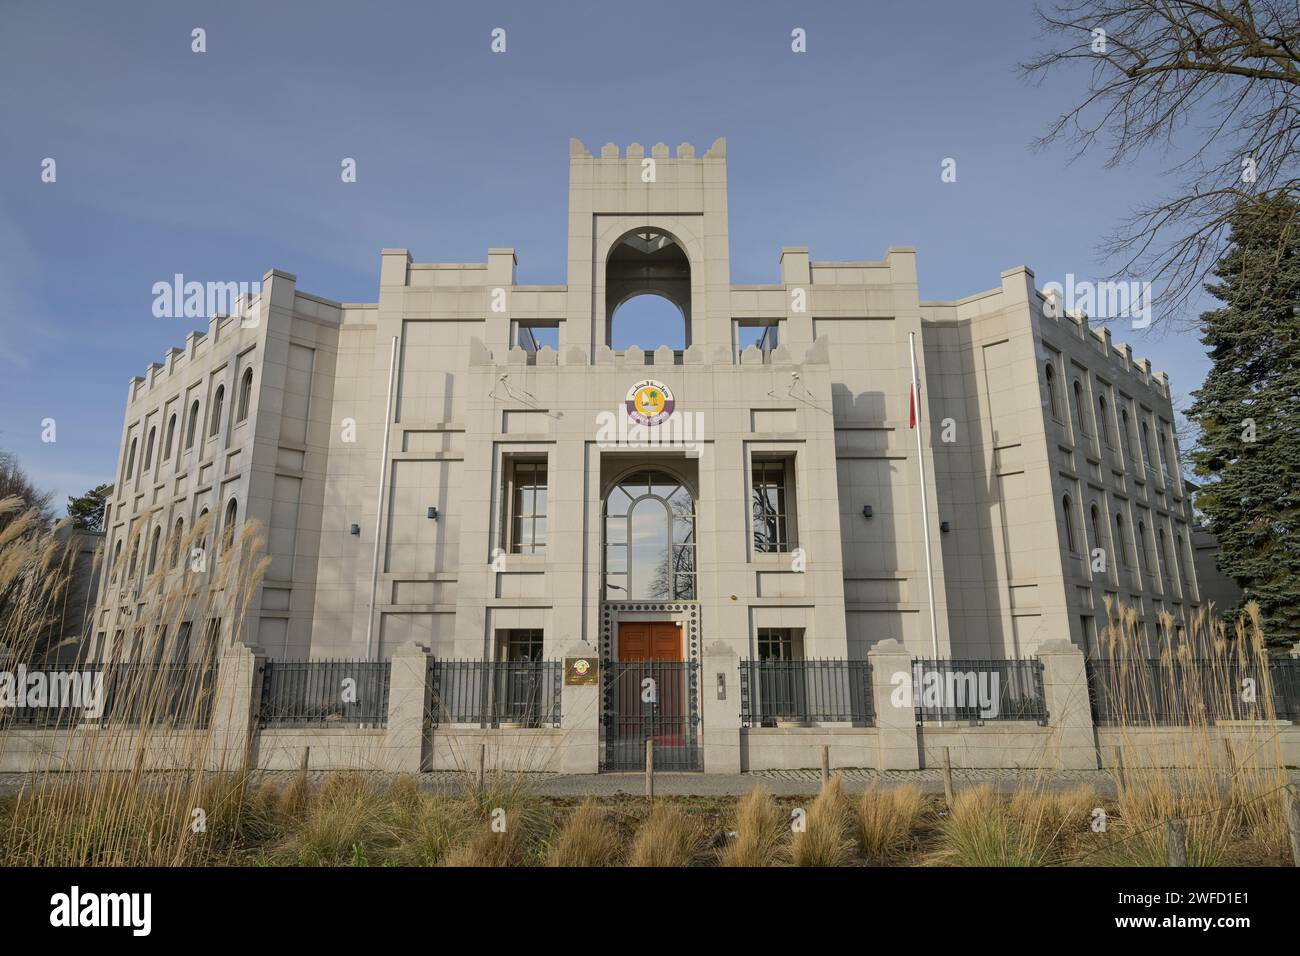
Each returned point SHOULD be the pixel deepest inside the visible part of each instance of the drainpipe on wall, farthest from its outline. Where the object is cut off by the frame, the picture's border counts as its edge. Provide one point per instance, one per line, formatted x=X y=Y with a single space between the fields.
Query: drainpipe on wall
x=379 y=504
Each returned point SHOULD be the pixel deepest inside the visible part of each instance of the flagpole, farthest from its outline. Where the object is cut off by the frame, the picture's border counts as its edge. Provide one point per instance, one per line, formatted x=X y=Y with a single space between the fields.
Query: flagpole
x=925 y=506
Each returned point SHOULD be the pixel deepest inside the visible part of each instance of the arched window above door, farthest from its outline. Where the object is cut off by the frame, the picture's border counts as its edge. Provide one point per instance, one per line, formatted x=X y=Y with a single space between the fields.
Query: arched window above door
x=649 y=538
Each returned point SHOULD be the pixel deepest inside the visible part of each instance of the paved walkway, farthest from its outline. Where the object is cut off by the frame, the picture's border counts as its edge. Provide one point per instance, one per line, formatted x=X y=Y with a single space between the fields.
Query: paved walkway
x=780 y=782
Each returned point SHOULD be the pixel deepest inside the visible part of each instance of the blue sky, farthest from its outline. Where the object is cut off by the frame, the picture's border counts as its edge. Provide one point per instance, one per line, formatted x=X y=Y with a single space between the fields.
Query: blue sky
x=224 y=164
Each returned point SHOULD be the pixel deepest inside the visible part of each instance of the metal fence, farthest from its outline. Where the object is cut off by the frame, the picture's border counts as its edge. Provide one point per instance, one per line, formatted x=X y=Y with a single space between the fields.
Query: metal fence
x=120 y=694
x=1194 y=692
x=805 y=691
x=651 y=700
x=324 y=693
x=495 y=693
x=976 y=691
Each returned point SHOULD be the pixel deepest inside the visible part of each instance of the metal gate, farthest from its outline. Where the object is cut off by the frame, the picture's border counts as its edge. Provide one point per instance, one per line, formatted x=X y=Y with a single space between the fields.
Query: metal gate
x=651 y=700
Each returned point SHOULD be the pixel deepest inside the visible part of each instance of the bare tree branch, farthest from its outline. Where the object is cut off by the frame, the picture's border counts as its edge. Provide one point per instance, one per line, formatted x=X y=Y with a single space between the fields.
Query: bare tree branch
x=1218 y=78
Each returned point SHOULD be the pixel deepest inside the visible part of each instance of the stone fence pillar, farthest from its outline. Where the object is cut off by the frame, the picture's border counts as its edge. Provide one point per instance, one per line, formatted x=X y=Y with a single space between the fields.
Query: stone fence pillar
x=720 y=708
x=1072 y=743
x=408 y=709
x=233 y=719
x=891 y=693
x=580 y=717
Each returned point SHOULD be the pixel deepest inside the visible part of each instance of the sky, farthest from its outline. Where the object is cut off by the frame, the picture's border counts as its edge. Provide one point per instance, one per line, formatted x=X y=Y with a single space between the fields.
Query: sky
x=223 y=164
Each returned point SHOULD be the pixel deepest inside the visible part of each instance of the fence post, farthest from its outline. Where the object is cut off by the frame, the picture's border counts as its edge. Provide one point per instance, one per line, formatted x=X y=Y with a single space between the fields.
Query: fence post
x=1176 y=842
x=1292 y=798
x=947 y=775
x=891 y=673
x=1069 y=713
x=408 y=696
x=826 y=764
x=650 y=768
x=232 y=723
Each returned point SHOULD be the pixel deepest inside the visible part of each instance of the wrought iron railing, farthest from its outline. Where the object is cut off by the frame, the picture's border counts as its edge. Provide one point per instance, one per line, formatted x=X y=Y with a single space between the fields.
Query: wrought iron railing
x=324 y=693
x=1192 y=691
x=120 y=693
x=805 y=691
x=976 y=691
x=495 y=693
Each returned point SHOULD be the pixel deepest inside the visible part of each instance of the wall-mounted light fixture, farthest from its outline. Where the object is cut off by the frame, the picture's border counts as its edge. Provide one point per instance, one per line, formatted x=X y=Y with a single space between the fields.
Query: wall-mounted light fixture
x=433 y=513
x=866 y=511
x=945 y=527
x=355 y=529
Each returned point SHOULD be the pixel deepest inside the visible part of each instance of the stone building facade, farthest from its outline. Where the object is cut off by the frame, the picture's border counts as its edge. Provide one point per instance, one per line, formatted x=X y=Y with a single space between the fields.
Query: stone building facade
x=460 y=463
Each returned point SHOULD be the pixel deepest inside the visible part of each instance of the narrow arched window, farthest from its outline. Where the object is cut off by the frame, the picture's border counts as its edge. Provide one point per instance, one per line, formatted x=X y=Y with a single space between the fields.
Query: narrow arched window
x=130 y=462
x=245 y=393
x=228 y=526
x=1078 y=407
x=1161 y=556
x=218 y=399
x=154 y=542
x=169 y=438
x=1144 y=551
x=1146 y=446
x=1096 y=526
x=1069 y=525
x=192 y=427
x=1182 y=568
x=1128 y=435
x=1121 y=546
x=177 y=533
x=1164 y=556
x=1053 y=402
x=117 y=562
x=148 y=448
x=1103 y=423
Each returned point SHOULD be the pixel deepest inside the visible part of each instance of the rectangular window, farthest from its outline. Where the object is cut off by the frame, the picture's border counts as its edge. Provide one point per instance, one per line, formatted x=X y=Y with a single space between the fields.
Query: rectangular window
x=520 y=644
x=764 y=335
x=532 y=336
x=773 y=505
x=526 y=494
x=780 y=644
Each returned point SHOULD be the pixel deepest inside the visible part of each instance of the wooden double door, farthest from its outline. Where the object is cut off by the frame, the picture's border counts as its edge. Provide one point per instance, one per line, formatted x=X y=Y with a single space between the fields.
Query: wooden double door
x=650 y=641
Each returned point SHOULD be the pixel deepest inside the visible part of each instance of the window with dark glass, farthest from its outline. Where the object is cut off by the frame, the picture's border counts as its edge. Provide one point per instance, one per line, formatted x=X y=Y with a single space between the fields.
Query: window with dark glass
x=527 y=496
x=649 y=539
x=771 y=505
x=521 y=644
x=780 y=644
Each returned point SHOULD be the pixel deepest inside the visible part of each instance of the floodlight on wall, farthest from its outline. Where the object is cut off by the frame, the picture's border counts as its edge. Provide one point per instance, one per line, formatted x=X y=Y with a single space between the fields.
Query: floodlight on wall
x=355 y=529
x=944 y=527
x=433 y=513
x=866 y=511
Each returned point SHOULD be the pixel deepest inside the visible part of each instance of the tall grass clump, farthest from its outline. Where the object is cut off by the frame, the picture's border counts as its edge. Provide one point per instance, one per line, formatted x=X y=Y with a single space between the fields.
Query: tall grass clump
x=586 y=839
x=1197 y=744
x=96 y=798
x=827 y=837
x=983 y=829
x=887 y=819
x=760 y=832
x=668 y=837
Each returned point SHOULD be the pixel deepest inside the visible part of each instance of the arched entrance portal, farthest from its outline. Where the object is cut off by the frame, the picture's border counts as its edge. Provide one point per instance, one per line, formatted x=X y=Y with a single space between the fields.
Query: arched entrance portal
x=650 y=639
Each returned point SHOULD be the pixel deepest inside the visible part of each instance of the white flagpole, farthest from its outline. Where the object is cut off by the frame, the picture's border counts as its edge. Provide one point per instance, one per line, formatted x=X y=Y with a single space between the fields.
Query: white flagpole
x=925 y=506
